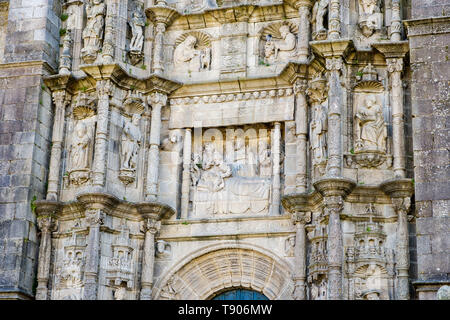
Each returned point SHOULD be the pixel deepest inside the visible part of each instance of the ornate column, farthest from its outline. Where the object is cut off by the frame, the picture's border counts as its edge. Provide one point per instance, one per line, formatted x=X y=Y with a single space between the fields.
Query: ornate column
x=150 y=227
x=334 y=139
x=396 y=21
x=334 y=191
x=304 y=10
x=45 y=220
x=333 y=209
x=60 y=99
x=65 y=60
x=301 y=124
x=157 y=100
x=94 y=218
x=185 y=186
x=276 y=169
x=299 y=219
x=108 y=43
x=400 y=191
x=395 y=67
x=104 y=88
x=334 y=28
x=162 y=16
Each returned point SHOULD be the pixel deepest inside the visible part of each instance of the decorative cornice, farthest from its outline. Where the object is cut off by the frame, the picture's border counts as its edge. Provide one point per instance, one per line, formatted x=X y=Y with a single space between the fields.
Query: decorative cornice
x=101 y=201
x=329 y=187
x=421 y=27
x=392 y=49
x=161 y=14
x=398 y=188
x=297 y=202
x=332 y=48
x=155 y=210
x=47 y=208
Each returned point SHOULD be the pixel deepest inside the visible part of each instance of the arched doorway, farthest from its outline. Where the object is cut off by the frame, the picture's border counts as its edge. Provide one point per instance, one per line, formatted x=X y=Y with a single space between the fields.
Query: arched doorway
x=240 y=294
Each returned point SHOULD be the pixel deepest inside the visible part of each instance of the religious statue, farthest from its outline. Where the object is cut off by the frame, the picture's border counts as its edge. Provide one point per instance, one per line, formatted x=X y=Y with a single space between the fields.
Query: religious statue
x=137 y=24
x=186 y=53
x=370 y=17
x=93 y=32
x=163 y=249
x=318 y=131
x=289 y=246
x=280 y=49
x=131 y=140
x=79 y=149
x=371 y=132
x=318 y=14
x=119 y=293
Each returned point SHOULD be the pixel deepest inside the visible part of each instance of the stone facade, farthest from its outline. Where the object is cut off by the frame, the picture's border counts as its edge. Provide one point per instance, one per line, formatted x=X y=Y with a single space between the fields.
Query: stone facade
x=179 y=149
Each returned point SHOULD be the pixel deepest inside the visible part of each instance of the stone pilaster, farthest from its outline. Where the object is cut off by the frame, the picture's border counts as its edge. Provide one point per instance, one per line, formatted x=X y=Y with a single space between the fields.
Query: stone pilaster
x=60 y=99
x=104 y=88
x=334 y=191
x=301 y=125
x=334 y=28
x=300 y=219
x=395 y=68
x=185 y=186
x=396 y=21
x=157 y=100
x=94 y=219
x=304 y=11
x=400 y=191
x=334 y=66
x=276 y=169
x=150 y=228
x=46 y=211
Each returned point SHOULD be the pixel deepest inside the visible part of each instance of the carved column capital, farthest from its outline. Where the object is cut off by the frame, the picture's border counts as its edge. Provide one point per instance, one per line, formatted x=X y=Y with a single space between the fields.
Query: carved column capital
x=151 y=225
x=301 y=218
x=394 y=64
x=60 y=98
x=334 y=64
x=46 y=223
x=401 y=205
x=157 y=99
x=333 y=204
x=104 y=88
x=300 y=86
x=94 y=217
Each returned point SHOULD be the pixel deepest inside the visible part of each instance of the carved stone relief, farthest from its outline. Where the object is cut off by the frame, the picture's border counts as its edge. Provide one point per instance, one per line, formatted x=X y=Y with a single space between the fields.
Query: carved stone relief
x=94 y=30
x=163 y=249
x=137 y=24
x=279 y=42
x=289 y=245
x=370 y=18
x=193 y=52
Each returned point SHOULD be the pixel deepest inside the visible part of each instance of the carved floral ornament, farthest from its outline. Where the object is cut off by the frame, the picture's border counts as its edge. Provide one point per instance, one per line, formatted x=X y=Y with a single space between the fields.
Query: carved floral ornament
x=301 y=217
x=233 y=97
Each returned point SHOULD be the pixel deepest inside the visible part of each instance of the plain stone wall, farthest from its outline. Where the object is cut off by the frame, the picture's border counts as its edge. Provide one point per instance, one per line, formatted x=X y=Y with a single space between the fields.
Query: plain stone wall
x=429 y=55
x=30 y=50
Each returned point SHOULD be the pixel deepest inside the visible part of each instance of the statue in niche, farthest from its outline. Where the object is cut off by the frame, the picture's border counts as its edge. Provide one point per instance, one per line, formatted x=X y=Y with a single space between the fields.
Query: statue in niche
x=137 y=24
x=318 y=18
x=371 y=131
x=289 y=246
x=186 y=54
x=318 y=131
x=93 y=32
x=265 y=162
x=275 y=50
x=131 y=141
x=120 y=293
x=174 y=142
x=79 y=159
x=370 y=17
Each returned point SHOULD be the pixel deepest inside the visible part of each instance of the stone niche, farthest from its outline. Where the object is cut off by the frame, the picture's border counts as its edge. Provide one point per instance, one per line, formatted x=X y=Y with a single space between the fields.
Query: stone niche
x=231 y=171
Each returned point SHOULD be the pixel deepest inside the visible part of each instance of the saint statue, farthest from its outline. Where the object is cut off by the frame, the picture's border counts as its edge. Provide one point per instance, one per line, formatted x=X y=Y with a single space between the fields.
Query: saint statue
x=371 y=132
x=319 y=10
x=93 y=32
x=187 y=54
x=318 y=131
x=137 y=24
x=79 y=150
x=131 y=140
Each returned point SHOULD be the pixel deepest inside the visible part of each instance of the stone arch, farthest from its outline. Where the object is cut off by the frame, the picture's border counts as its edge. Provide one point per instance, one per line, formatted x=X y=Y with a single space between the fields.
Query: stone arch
x=219 y=267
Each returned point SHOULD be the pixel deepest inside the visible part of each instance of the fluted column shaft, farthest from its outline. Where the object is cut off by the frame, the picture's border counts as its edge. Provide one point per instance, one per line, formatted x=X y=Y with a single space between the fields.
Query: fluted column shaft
x=301 y=124
x=185 y=186
x=101 y=136
x=276 y=169
x=150 y=227
x=59 y=97
x=395 y=67
x=94 y=218
x=334 y=139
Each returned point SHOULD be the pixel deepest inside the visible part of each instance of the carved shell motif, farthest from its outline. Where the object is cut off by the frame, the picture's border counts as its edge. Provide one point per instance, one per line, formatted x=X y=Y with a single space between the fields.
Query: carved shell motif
x=203 y=40
x=274 y=30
